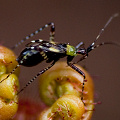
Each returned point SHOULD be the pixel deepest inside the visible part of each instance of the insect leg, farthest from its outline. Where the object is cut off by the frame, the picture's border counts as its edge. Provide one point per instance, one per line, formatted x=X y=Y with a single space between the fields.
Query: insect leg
x=79 y=71
x=52 y=32
x=41 y=72
x=36 y=32
x=10 y=73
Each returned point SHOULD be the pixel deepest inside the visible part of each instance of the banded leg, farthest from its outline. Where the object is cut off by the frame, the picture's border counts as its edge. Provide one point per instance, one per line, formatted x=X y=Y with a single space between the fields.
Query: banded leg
x=79 y=71
x=52 y=33
x=10 y=73
x=82 y=58
x=41 y=72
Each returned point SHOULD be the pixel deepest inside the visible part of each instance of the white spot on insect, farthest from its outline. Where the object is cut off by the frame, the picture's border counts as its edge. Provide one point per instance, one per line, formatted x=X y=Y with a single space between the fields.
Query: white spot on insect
x=36 y=32
x=31 y=34
x=16 y=45
x=52 y=24
x=46 y=25
x=40 y=40
x=21 y=61
x=27 y=37
x=33 y=41
x=22 y=41
x=92 y=43
x=40 y=46
x=40 y=29
x=32 y=48
x=47 y=44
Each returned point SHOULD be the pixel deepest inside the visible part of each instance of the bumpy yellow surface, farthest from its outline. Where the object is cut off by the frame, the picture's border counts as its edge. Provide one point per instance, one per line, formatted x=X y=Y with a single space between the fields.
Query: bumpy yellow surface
x=61 y=89
x=10 y=86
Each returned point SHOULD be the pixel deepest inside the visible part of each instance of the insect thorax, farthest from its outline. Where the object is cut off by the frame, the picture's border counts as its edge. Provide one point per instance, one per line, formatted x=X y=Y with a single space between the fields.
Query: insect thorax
x=71 y=50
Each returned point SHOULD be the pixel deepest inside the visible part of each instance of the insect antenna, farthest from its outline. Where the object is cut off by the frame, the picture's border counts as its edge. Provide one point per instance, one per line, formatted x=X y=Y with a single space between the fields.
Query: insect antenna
x=101 y=31
x=10 y=73
x=103 y=43
x=52 y=30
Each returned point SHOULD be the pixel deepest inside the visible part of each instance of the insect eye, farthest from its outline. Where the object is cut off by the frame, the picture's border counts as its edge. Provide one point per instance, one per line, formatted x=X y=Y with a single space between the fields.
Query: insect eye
x=81 y=51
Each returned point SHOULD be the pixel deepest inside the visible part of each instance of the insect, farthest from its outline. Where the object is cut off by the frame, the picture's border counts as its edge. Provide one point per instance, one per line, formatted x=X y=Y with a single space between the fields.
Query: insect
x=39 y=50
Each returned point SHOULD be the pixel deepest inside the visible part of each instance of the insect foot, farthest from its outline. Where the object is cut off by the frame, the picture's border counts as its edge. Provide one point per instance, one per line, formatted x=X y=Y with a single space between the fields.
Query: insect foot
x=61 y=88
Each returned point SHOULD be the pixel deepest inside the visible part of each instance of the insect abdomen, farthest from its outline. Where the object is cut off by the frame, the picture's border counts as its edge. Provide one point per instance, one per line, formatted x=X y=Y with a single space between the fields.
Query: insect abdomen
x=29 y=57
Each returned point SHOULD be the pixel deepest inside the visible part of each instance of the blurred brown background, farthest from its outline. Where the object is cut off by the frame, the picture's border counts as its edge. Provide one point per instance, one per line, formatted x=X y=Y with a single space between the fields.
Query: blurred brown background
x=75 y=20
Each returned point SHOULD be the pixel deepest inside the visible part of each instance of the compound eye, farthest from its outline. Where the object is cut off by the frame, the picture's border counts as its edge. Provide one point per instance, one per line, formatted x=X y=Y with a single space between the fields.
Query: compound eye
x=81 y=51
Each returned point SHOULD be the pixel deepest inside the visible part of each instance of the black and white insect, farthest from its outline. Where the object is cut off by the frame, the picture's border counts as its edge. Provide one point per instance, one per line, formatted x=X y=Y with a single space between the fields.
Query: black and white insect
x=39 y=50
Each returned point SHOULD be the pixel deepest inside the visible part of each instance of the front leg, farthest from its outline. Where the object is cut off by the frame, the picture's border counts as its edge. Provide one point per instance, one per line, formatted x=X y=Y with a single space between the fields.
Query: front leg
x=79 y=71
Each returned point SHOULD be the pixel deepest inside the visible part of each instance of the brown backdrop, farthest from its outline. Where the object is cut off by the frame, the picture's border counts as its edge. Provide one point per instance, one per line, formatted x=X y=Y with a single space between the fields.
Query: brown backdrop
x=75 y=21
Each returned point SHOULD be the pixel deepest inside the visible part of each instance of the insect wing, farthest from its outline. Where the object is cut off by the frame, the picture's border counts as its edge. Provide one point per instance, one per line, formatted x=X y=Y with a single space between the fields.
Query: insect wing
x=47 y=46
